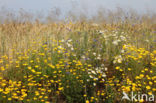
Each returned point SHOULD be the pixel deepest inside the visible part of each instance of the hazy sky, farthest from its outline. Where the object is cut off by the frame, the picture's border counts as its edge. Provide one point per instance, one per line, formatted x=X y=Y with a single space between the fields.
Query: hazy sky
x=78 y=5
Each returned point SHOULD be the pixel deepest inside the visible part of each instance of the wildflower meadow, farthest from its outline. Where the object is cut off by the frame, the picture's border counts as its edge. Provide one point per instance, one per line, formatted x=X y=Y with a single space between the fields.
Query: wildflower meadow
x=77 y=62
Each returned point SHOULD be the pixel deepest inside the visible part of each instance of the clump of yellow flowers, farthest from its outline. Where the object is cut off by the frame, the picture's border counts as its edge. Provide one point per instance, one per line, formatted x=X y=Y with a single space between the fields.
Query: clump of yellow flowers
x=86 y=64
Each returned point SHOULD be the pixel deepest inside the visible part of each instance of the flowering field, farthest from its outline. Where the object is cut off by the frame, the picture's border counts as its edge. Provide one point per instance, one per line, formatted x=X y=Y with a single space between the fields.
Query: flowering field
x=78 y=62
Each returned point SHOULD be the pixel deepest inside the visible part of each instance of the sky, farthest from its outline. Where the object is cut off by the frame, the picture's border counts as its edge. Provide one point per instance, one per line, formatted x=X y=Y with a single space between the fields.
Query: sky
x=89 y=6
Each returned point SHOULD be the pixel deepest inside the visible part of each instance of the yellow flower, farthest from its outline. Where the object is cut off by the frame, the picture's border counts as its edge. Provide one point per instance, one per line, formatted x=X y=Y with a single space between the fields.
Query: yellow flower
x=2 y=68
x=121 y=70
x=150 y=93
x=129 y=69
x=87 y=101
x=102 y=94
x=28 y=100
x=117 y=68
x=146 y=69
x=61 y=88
x=36 y=66
x=154 y=89
x=148 y=87
x=141 y=75
x=29 y=67
x=92 y=97
x=85 y=95
x=9 y=99
x=150 y=83
x=46 y=97
x=1 y=89
x=40 y=96
x=141 y=101
x=127 y=88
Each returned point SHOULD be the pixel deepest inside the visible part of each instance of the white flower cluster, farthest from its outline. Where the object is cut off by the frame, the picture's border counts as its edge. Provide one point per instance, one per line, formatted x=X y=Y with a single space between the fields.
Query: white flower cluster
x=119 y=39
x=118 y=59
x=115 y=35
x=98 y=56
x=69 y=44
x=96 y=72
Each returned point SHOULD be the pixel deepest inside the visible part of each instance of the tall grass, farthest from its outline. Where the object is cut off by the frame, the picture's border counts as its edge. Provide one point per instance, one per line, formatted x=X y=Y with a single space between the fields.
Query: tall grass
x=84 y=61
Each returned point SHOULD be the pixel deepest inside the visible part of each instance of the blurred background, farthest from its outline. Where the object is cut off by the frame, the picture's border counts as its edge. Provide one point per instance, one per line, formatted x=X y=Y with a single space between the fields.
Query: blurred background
x=56 y=10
